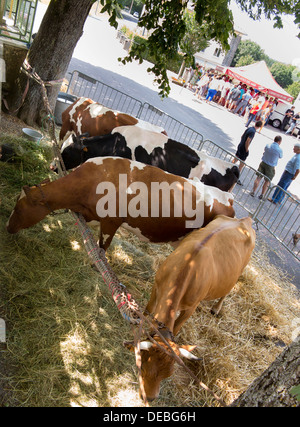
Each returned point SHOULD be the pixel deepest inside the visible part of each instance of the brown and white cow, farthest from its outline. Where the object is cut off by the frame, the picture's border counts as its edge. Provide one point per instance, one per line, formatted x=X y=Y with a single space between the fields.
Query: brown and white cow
x=87 y=116
x=205 y=266
x=153 y=204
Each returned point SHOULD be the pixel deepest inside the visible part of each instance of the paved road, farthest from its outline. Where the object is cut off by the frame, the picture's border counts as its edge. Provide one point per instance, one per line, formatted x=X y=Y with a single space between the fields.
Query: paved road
x=96 y=55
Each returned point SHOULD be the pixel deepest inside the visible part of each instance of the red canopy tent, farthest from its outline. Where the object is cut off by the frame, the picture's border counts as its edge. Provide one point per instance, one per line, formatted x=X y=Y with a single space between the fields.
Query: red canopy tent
x=259 y=77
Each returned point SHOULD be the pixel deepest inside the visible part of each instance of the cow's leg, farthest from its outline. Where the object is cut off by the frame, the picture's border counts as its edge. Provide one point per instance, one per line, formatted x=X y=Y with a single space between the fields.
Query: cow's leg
x=63 y=130
x=107 y=232
x=217 y=307
x=152 y=301
x=183 y=316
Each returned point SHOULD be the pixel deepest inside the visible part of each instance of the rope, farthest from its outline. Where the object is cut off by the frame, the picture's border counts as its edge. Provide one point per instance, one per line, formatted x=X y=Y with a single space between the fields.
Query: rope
x=123 y=300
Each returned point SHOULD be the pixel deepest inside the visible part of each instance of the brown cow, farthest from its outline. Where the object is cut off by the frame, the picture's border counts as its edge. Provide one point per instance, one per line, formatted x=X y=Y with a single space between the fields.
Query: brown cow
x=87 y=116
x=205 y=266
x=121 y=192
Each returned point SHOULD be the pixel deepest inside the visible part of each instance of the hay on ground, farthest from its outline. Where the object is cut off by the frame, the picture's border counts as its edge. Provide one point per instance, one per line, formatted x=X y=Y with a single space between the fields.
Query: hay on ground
x=65 y=333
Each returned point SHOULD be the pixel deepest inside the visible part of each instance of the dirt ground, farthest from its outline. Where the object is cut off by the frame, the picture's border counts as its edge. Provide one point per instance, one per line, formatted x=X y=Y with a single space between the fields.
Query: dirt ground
x=12 y=125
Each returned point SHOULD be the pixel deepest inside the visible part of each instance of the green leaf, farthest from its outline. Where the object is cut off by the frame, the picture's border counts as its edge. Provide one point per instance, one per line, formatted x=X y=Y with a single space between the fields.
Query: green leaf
x=295 y=391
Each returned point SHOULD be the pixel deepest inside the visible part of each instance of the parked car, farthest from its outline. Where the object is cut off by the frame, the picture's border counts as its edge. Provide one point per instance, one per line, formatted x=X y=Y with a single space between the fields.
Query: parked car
x=136 y=15
x=277 y=116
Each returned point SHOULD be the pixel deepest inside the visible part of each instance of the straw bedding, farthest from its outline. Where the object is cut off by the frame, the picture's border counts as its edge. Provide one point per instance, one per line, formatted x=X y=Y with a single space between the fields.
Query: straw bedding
x=65 y=334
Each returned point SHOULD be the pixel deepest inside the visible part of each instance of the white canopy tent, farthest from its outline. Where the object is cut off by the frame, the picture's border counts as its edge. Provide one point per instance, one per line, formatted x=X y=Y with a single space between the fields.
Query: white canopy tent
x=259 y=77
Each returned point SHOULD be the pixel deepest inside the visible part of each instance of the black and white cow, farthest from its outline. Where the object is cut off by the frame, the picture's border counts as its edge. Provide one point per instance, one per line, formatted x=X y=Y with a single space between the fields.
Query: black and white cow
x=154 y=149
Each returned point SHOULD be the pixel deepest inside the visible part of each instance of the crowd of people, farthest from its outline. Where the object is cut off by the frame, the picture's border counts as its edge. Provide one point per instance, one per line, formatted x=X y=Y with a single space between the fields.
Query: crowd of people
x=255 y=107
x=240 y=99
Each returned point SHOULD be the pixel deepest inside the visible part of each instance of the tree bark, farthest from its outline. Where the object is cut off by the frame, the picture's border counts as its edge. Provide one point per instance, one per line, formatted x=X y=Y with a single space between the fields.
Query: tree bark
x=272 y=388
x=49 y=55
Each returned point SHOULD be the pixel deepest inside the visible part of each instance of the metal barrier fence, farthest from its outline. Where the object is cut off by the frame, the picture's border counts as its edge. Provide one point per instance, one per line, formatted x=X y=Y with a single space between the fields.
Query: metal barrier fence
x=174 y=128
x=82 y=85
x=248 y=175
x=19 y=18
x=282 y=220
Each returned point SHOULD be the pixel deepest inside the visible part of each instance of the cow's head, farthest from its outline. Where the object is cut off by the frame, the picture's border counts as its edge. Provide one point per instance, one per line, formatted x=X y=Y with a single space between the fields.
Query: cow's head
x=72 y=152
x=31 y=207
x=158 y=364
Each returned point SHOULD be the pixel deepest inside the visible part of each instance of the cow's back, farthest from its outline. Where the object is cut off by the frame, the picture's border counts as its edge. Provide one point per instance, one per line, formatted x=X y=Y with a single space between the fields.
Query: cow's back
x=208 y=262
x=85 y=115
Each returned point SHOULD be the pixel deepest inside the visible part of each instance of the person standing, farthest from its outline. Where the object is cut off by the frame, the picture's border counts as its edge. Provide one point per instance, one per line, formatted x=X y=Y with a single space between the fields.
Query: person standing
x=189 y=75
x=224 y=93
x=272 y=105
x=264 y=105
x=252 y=113
x=288 y=114
x=290 y=173
x=202 y=83
x=234 y=97
x=269 y=161
x=229 y=95
x=295 y=121
x=242 y=104
x=264 y=116
x=212 y=90
x=243 y=147
x=219 y=89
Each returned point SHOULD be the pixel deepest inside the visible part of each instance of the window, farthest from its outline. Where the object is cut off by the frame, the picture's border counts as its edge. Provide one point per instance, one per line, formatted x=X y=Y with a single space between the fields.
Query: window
x=217 y=52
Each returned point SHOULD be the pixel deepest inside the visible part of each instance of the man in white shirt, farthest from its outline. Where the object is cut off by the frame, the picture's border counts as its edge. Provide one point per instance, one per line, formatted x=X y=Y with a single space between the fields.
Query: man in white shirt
x=225 y=91
x=212 y=90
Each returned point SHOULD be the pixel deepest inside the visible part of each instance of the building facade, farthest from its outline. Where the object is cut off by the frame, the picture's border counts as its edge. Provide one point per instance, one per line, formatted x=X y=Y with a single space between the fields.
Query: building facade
x=214 y=57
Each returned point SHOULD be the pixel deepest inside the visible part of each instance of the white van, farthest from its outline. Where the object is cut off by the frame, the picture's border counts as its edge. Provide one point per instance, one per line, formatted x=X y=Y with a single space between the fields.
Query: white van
x=278 y=114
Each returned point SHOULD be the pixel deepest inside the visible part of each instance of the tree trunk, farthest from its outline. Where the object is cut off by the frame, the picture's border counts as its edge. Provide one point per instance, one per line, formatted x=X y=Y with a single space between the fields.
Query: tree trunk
x=49 y=55
x=181 y=69
x=272 y=388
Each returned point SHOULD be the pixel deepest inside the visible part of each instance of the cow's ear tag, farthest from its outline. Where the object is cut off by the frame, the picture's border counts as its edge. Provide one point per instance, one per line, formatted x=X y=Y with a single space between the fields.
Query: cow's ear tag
x=85 y=149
